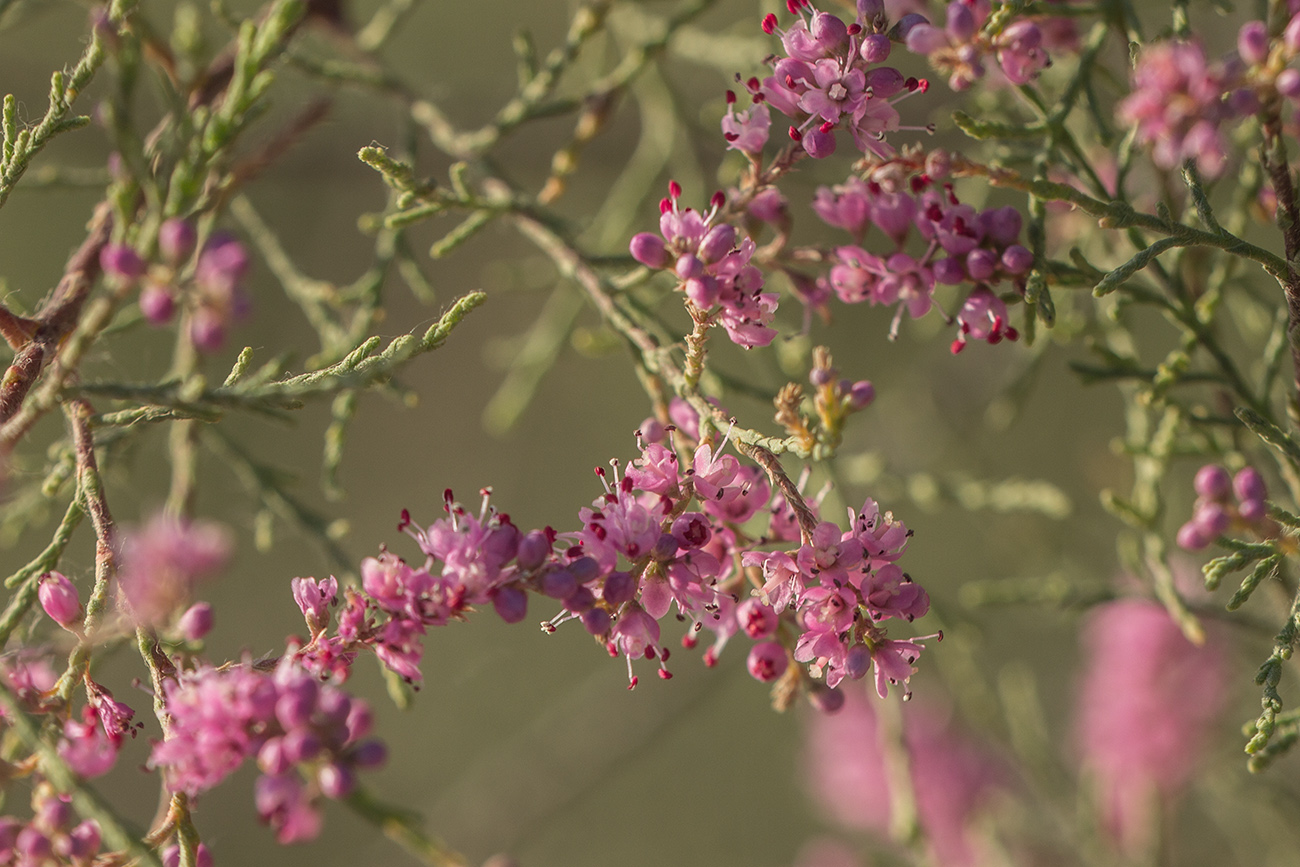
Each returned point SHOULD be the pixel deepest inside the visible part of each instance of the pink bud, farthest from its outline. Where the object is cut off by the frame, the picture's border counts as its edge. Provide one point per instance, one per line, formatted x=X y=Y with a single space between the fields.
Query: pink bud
x=59 y=599
x=197 y=622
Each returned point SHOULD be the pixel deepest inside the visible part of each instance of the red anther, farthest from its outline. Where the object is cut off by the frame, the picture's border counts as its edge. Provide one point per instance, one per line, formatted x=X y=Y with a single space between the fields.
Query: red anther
x=827 y=126
x=912 y=83
x=665 y=205
x=994 y=338
x=600 y=471
x=934 y=213
x=689 y=641
x=792 y=6
x=406 y=520
x=663 y=654
x=753 y=84
x=448 y=496
x=938 y=636
x=611 y=649
x=731 y=97
x=718 y=200
x=789 y=81
x=1012 y=334
x=855 y=28
x=965 y=328
x=632 y=683
x=551 y=535
x=665 y=674
x=958 y=345
x=795 y=135
x=730 y=136
x=769 y=24
x=650 y=653
x=674 y=190
x=710 y=658
x=625 y=485
x=923 y=85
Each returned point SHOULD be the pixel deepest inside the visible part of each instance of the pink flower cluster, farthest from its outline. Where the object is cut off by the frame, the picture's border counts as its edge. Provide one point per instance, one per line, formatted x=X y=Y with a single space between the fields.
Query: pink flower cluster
x=309 y=739
x=713 y=268
x=663 y=538
x=1180 y=103
x=1215 y=512
x=215 y=295
x=962 y=245
x=1146 y=705
x=830 y=78
x=961 y=48
x=50 y=837
x=952 y=777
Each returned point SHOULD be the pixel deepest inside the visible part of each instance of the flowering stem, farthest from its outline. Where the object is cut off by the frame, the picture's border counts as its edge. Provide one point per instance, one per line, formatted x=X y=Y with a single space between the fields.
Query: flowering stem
x=90 y=492
x=1119 y=215
x=776 y=474
x=54 y=769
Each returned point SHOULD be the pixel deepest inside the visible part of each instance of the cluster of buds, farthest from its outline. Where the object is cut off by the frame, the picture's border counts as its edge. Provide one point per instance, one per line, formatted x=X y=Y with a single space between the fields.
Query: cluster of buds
x=51 y=837
x=309 y=739
x=1181 y=102
x=962 y=47
x=713 y=267
x=962 y=246
x=1215 y=512
x=212 y=291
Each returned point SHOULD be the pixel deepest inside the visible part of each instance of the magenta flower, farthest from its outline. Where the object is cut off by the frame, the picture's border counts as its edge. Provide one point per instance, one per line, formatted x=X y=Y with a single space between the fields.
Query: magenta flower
x=1178 y=103
x=162 y=564
x=746 y=131
x=1147 y=701
x=952 y=777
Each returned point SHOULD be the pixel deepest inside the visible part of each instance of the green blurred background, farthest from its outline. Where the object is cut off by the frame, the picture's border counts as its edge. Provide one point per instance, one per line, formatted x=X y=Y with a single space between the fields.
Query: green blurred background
x=518 y=741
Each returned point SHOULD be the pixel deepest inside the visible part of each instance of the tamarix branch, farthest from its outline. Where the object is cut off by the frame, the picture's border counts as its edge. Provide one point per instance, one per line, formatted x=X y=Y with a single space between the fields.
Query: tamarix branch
x=972 y=171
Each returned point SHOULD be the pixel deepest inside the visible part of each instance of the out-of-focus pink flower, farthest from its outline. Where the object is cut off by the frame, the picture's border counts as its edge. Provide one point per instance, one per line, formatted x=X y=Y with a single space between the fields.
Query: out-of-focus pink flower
x=163 y=561
x=1147 y=701
x=950 y=776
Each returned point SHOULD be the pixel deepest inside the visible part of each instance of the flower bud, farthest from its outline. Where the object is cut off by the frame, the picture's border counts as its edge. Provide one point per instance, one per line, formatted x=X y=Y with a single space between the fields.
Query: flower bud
x=122 y=262
x=1212 y=482
x=1248 y=484
x=197 y=622
x=176 y=238
x=649 y=250
x=59 y=599
x=875 y=48
x=767 y=661
x=1252 y=42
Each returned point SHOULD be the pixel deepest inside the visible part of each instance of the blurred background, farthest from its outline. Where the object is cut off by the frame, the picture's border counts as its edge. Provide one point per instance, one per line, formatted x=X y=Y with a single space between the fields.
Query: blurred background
x=528 y=743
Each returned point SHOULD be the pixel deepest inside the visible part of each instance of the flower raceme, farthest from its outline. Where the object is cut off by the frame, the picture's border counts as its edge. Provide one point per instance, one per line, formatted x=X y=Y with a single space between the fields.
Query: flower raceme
x=712 y=265
x=672 y=534
x=832 y=77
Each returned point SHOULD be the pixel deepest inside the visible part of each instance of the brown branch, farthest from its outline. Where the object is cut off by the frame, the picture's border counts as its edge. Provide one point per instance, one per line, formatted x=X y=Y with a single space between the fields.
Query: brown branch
x=776 y=473
x=1275 y=163
x=57 y=316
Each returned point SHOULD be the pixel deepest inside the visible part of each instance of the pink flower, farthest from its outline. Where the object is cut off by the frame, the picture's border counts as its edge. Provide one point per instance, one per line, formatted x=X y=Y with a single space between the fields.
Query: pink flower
x=746 y=131
x=1146 y=703
x=1178 y=104
x=163 y=562
x=951 y=777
